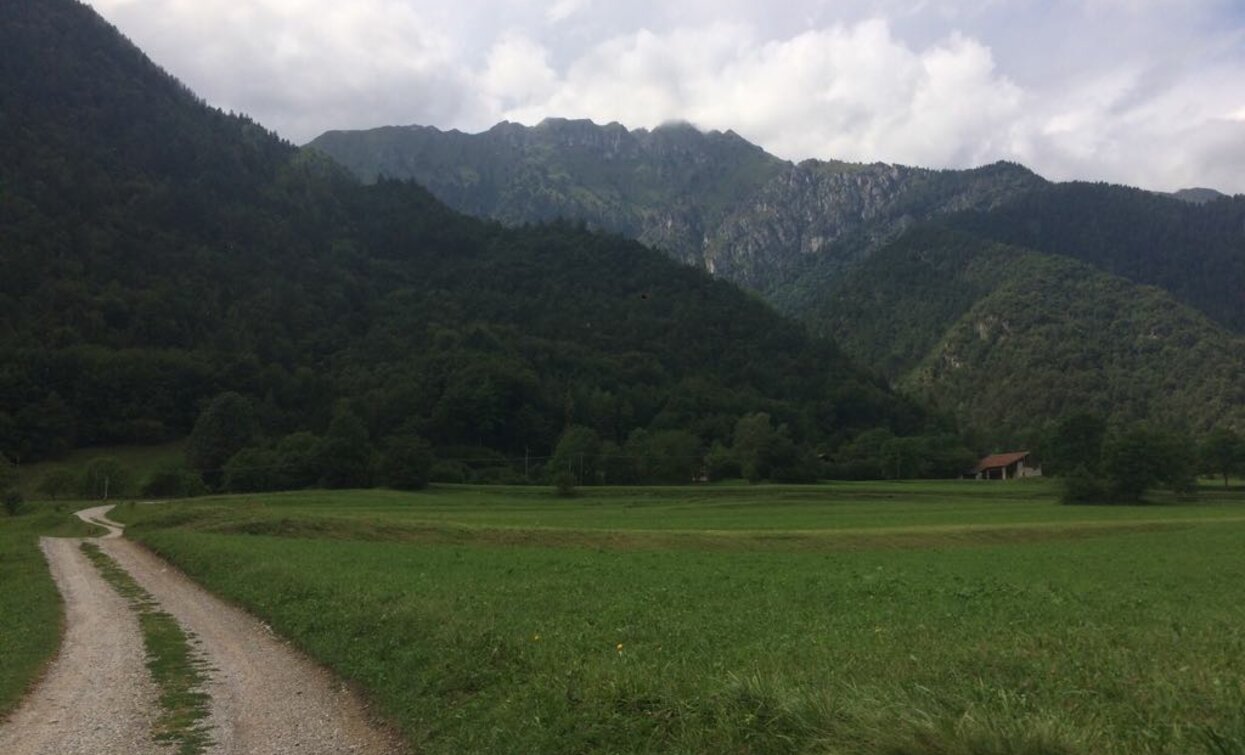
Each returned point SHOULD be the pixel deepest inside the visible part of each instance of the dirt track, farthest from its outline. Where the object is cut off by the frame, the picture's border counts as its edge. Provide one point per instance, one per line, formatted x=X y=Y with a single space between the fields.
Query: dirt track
x=98 y=698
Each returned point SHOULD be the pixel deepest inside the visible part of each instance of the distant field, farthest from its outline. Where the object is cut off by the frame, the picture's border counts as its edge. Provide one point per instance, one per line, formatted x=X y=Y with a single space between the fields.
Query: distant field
x=844 y=618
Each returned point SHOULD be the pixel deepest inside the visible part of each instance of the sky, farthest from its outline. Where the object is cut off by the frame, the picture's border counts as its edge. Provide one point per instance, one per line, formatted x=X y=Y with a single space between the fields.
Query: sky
x=1149 y=93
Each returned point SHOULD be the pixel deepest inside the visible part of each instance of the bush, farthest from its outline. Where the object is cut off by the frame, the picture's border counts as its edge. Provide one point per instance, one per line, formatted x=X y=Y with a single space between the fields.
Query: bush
x=58 y=483
x=14 y=503
x=406 y=463
x=252 y=470
x=564 y=484
x=1082 y=486
x=104 y=478
x=173 y=480
x=8 y=473
x=449 y=471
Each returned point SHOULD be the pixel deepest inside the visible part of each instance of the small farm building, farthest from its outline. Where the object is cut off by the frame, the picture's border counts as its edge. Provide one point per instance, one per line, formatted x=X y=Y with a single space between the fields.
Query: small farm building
x=1008 y=466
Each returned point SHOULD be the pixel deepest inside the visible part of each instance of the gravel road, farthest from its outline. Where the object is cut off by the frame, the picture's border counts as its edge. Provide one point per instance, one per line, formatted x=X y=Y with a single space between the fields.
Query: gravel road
x=266 y=697
x=97 y=696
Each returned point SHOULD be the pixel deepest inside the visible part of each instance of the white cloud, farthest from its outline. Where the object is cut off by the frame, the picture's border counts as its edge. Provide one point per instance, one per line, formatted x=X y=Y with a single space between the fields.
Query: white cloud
x=848 y=92
x=516 y=72
x=1149 y=92
x=561 y=10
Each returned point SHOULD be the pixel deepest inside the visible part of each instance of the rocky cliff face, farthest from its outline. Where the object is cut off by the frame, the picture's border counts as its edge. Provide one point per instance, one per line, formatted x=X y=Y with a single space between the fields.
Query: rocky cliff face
x=837 y=213
x=711 y=199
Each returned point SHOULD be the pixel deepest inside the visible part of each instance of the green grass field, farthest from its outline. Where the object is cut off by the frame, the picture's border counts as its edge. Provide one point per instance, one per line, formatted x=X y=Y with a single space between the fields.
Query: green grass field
x=139 y=462
x=844 y=618
x=30 y=608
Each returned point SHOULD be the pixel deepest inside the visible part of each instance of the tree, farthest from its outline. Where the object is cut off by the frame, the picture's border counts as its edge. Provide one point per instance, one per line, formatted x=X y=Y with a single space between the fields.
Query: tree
x=1222 y=452
x=223 y=429
x=1075 y=442
x=345 y=454
x=1082 y=486
x=57 y=483
x=720 y=463
x=173 y=480
x=104 y=478
x=564 y=484
x=617 y=467
x=754 y=437
x=297 y=459
x=578 y=452
x=670 y=456
x=406 y=463
x=252 y=470
x=8 y=473
x=1141 y=458
x=48 y=427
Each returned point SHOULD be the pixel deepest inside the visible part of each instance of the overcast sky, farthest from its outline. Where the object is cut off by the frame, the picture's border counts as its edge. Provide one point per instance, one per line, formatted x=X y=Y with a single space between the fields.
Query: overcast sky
x=1144 y=92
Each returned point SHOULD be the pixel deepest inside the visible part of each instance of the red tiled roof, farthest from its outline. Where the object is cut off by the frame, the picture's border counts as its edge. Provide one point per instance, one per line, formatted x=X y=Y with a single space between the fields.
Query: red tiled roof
x=997 y=461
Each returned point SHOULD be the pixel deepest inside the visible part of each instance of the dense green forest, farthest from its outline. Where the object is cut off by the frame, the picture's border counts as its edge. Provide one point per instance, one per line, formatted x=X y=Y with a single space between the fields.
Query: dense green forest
x=899 y=265
x=171 y=268
x=1010 y=340
x=1195 y=251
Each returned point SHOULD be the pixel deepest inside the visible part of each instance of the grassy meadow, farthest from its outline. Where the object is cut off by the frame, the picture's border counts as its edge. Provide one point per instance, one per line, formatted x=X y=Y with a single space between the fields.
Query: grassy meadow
x=138 y=461
x=941 y=617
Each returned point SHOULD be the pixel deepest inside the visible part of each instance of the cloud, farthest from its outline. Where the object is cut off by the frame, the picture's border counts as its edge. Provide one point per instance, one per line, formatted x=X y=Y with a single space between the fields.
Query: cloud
x=299 y=65
x=516 y=73
x=564 y=9
x=1148 y=92
x=849 y=92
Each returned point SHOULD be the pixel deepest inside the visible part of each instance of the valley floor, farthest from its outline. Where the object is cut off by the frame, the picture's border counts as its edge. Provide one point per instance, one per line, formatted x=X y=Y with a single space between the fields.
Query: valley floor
x=952 y=617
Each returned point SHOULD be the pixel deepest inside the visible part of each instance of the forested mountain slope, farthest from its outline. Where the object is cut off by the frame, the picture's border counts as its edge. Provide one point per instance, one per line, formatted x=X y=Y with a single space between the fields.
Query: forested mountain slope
x=710 y=199
x=157 y=252
x=1008 y=339
x=1194 y=250
x=858 y=252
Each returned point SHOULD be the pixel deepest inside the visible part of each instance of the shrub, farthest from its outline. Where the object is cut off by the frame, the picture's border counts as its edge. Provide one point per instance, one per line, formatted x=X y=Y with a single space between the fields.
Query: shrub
x=58 y=483
x=449 y=471
x=564 y=484
x=14 y=503
x=1082 y=486
x=406 y=463
x=173 y=480
x=104 y=477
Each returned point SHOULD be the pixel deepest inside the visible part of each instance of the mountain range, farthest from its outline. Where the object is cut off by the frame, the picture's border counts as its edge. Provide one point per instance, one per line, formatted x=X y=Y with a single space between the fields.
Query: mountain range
x=1133 y=300
x=159 y=254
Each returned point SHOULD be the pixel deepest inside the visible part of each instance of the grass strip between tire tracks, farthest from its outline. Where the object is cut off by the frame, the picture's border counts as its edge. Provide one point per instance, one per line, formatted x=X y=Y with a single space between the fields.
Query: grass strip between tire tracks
x=177 y=668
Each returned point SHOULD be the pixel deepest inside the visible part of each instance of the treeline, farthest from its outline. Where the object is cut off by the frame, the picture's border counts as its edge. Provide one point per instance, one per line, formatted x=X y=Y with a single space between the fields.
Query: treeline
x=229 y=451
x=1103 y=464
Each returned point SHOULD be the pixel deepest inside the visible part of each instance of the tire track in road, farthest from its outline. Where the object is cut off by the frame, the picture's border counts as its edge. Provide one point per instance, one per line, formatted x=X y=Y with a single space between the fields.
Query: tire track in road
x=98 y=698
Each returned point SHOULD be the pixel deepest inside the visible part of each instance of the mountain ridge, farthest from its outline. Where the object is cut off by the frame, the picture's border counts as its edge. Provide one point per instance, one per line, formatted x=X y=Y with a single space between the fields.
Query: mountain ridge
x=711 y=199
x=159 y=252
x=804 y=236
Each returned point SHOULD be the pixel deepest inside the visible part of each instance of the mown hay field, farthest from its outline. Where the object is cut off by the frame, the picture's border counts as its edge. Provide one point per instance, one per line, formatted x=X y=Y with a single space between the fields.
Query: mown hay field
x=842 y=618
